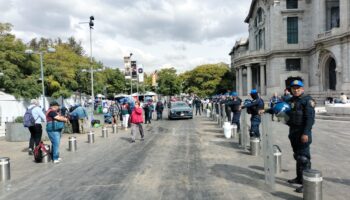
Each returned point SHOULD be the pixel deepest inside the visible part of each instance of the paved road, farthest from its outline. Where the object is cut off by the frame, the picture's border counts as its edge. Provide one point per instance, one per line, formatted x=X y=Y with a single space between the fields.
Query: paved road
x=180 y=159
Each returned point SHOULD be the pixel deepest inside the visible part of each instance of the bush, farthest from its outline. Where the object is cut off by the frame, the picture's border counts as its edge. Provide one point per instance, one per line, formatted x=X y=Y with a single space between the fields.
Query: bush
x=19 y=119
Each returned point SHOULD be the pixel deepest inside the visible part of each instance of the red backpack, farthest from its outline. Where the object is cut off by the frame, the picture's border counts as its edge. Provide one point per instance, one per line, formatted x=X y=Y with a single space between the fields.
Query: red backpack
x=39 y=151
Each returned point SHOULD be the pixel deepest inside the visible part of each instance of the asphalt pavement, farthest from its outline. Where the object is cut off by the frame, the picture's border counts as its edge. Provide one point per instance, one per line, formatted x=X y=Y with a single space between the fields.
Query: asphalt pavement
x=179 y=159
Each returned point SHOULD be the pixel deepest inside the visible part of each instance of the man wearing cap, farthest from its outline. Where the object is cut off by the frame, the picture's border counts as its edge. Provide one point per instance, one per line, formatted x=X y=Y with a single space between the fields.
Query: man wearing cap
x=301 y=120
x=235 y=105
x=254 y=108
x=227 y=107
x=36 y=130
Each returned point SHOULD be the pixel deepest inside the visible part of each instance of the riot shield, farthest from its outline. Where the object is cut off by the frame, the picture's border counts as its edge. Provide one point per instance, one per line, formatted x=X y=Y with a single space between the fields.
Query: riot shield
x=267 y=148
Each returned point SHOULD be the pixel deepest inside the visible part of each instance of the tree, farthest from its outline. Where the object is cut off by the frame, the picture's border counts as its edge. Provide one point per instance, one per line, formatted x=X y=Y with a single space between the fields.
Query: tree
x=168 y=82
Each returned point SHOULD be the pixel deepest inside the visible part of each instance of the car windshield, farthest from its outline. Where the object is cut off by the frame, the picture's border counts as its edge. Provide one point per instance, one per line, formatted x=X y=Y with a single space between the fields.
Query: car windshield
x=179 y=104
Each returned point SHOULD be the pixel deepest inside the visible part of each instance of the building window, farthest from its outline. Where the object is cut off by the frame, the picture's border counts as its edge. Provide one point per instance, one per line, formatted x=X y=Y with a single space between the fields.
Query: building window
x=292 y=4
x=292 y=30
x=332 y=14
x=293 y=64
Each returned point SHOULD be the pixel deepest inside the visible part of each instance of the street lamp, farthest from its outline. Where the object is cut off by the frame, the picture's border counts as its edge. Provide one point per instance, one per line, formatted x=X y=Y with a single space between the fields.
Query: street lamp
x=41 y=53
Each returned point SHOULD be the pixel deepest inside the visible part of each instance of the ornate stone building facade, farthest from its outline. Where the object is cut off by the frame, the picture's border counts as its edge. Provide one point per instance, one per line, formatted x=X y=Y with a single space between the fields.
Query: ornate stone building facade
x=295 y=39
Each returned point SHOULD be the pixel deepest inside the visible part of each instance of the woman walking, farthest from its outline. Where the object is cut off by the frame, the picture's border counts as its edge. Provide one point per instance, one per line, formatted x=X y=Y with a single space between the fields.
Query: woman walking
x=125 y=110
x=136 y=122
x=54 y=126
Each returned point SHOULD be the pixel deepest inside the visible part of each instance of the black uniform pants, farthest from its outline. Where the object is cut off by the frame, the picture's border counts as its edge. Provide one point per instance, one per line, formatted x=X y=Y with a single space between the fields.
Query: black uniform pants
x=36 y=132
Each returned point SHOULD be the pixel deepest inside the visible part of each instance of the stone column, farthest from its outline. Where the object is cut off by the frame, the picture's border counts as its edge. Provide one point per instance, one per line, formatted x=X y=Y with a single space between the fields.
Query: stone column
x=240 y=91
x=262 y=78
x=249 y=78
x=237 y=80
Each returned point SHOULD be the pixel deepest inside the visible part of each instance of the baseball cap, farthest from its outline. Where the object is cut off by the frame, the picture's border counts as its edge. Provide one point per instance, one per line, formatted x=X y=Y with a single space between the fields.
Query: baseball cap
x=297 y=83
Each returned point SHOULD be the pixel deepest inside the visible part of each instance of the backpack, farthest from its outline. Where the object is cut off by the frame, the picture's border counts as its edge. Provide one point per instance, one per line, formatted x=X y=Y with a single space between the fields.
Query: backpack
x=28 y=118
x=39 y=151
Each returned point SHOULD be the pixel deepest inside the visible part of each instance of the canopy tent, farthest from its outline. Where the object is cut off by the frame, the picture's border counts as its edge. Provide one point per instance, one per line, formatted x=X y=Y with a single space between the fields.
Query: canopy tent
x=150 y=94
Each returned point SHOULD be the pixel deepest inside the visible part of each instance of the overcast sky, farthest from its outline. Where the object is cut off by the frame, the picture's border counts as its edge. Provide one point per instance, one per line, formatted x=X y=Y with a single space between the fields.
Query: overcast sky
x=160 y=33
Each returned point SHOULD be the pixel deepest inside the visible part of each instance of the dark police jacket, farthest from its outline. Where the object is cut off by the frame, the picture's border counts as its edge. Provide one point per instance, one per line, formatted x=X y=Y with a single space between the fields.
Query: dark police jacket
x=254 y=107
x=235 y=104
x=302 y=114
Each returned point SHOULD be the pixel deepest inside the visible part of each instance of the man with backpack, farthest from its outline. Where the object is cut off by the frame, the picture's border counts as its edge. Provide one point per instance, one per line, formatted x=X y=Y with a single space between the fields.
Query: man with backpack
x=32 y=119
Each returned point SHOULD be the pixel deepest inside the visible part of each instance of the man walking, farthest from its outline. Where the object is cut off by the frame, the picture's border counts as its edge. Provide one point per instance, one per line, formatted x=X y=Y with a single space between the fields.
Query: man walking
x=35 y=129
x=301 y=120
x=159 y=109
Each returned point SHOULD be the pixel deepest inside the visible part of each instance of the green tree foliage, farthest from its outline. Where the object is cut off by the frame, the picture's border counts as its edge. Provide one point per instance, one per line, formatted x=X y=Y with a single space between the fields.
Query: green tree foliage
x=208 y=79
x=168 y=82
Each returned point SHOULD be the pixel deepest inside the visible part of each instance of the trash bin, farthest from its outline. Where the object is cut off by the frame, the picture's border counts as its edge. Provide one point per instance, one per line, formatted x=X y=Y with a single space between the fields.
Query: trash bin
x=5 y=174
x=254 y=146
x=277 y=157
x=227 y=130
x=312 y=183
x=72 y=144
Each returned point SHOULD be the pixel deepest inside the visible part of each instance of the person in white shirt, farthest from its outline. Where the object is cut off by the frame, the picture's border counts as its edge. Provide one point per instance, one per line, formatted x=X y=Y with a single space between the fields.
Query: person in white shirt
x=343 y=98
x=36 y=131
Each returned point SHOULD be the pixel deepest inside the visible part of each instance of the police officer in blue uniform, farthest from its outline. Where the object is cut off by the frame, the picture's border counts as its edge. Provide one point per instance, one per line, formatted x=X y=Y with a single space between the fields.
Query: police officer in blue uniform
x=301 y=120
x=254 y=108
x=235 y=105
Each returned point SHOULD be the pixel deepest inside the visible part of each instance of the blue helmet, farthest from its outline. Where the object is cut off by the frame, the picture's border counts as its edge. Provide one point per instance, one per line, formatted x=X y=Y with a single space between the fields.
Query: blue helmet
x=297 y=83
x=234 y=94
x=247 y=101
x=281 y=109
x=253 y=91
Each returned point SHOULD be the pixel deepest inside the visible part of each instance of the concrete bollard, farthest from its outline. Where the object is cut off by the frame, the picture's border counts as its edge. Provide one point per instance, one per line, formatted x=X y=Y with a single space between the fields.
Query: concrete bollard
x=46 y=156
x=5 y=174
x=234 y=131
x=104 y=132
x=254 y=146
x=208 y=113
x=277 y=157
x=91 y=137
x=114 y=128
x=72 y=144
x=312 y=183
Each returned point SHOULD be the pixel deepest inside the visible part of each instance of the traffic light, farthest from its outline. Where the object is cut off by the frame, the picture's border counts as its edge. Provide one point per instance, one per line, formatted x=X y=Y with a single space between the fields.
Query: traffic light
x=133 y=69
x=91 y=23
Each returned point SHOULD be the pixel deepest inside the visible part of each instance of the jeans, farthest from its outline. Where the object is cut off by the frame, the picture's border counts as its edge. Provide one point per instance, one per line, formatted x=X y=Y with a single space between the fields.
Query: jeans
x=35 y=135
x=55 y=138
x=236 y=119
x=159 y=115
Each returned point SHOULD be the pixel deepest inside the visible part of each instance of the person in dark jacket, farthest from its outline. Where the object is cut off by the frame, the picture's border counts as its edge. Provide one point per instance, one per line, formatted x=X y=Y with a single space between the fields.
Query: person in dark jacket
x=197 y=103
x=235 y=105
x=301 y=120
x=254 y=108
x=159 y=109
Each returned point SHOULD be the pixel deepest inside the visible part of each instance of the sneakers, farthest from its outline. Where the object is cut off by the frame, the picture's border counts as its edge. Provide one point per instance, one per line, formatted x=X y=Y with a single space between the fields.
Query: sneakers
x=56 y=161
x=30 y=151
x=59 y=159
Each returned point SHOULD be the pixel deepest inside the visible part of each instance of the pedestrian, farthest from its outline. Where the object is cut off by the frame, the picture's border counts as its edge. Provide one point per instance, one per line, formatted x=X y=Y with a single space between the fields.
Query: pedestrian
x=35 y=129
x=125 y=110
x=54 y=126
x=74 y=120
x=227 y=107
x=197 y=103
x=301 y=120
x=235 y=105
x=81 y=116
x=286 y=95
x=146 y=108
x=159 y=109
x=274 y=99
x=114 y=110
x=136 y=122
x=254 y=108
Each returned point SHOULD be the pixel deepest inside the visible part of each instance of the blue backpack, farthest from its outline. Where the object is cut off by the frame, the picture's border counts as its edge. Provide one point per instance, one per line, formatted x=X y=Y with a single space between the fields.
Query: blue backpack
x=28 y=118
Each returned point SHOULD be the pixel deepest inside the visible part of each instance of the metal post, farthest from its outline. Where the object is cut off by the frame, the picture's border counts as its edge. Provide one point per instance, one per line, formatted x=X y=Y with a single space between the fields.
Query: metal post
x=234 y=131
x=42 y=78
x=46 y=156
x=91 y=137
x=92 y=75
x=277 y=156
x=104 y=132
x=72 y=144
x=5 y=174
x=312 y=183
x=115 y=128
x=254 y=146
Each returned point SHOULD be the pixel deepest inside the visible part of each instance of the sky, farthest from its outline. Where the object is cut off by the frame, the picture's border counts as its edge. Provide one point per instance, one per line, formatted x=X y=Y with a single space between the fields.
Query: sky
x=160 y=33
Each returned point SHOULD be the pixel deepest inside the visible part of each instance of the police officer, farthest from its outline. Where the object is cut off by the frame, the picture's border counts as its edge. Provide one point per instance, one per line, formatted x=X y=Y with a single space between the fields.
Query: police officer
x=254 y=109
x=301 y=120
x=227 y=107
x=235 y=105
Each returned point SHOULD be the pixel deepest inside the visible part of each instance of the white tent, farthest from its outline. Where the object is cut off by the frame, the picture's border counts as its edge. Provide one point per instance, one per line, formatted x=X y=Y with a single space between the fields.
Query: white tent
x=150 y=94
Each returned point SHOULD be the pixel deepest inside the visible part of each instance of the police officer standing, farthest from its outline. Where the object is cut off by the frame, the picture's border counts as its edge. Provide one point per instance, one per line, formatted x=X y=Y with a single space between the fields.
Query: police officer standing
x=227 y=107
x=254 y=108
x=235 y=105
x=301 y=120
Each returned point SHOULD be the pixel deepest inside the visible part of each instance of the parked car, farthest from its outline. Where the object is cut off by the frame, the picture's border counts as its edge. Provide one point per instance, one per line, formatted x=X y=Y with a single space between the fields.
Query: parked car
x=180 y=110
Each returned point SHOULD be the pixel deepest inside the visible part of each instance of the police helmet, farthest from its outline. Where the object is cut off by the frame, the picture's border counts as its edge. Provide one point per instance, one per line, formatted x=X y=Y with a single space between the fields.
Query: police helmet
x=253 y=91
x=247 y=101
x=234 y=94
x=281 y=109
x=297 y=83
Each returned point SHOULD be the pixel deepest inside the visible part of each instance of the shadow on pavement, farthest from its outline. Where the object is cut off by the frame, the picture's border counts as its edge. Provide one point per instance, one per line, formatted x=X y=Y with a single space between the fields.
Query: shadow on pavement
x=228 y=144
x=248 y=177
x=338 y=180
x=213 y=130
x=125 y=139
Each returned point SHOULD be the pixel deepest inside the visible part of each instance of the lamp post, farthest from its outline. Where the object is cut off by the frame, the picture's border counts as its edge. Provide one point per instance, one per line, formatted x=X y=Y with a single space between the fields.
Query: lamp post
x=41 y=53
